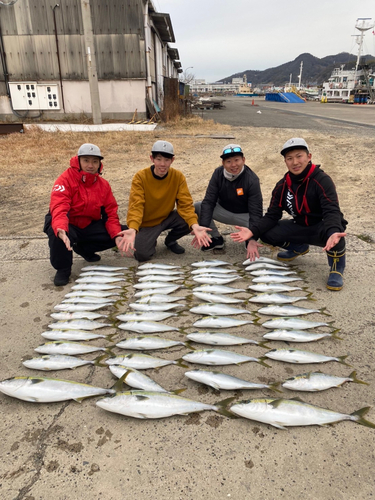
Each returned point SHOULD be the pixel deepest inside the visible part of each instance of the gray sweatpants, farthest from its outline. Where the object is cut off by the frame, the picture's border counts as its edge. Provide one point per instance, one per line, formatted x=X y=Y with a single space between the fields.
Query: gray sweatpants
x=224 y=216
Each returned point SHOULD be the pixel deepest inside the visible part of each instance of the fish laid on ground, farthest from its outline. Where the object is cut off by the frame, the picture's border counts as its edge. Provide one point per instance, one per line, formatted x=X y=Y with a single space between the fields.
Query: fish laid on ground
x=103 y=268
x=71 y=335
x=78 y=324
x=145 y=316
x=220 y=322
x=212 y=280
x=217 y=310
x=158 y=298
x=302 y=357
x=48 y=390
x=147 y=343
x=146 y=327
x=158 y=307
x=218 y=357
x=292 y=324
x=263 y=265
x=70 y=308
x=297 y=335
x=55 y=362
x=162 y=290
x=92 y=293
x=275 y=298
x=140 y=361
x=142 y=404
x=210 y=263
x=99 y=279
x=221 y=381
x=68 y=348
x=154 y=284
x=159 y=278
x=272 y=272
x=282 y=413
x=221 y=289
x=64 y=316
x=218 y=338
x=318 y=381
x=136 y=379
x=248 y=262
x=94 y=287
x=276 y=310
x=100 y=273
x=158 y=266
x=214 y=270
x=161 y=272
x=273 y=278
x=217 y=299
x=273 y=287
x=89 y=300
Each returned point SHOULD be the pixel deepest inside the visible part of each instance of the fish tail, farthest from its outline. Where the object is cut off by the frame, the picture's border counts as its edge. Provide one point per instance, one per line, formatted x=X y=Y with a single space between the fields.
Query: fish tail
x=188 y=344
x=180 y=362
x=176 y=392
x=275 y=386
x=357 y=416
x=97 y=361
x=261 y=362
x=323 y=311
x=334 y=334
x=353 y=377
x=341 y=359
x=222 y=407
x=264 y=345
x=118 y=385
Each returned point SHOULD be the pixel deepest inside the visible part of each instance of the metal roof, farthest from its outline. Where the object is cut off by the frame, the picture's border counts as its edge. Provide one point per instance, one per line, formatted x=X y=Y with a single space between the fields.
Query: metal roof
x=173 y=53
x=163 y=24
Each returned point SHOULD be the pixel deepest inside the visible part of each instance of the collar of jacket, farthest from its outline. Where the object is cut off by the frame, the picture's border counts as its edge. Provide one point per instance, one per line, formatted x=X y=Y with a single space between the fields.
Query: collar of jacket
x=86 y=177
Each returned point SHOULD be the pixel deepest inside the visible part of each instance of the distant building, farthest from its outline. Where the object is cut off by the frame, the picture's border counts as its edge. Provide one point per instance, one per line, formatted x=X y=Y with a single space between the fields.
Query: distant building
x=214 y=88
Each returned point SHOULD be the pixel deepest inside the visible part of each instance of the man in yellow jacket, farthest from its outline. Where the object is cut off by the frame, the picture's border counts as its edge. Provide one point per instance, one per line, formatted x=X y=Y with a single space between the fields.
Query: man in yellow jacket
x=160 y=200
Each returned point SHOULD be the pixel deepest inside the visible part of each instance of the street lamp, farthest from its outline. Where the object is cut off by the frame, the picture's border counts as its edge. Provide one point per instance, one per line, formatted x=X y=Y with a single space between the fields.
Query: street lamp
x=186 y=74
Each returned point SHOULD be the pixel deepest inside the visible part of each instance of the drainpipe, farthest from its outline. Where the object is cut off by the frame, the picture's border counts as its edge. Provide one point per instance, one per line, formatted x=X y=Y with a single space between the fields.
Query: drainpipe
x=2 y=50
x=147 y=46
x=58 y=56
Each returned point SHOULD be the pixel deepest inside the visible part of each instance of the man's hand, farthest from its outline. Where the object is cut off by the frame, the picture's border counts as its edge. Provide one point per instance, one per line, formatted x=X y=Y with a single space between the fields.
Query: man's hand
x=252 y=250
x=64 y=237
x=333 y=240
x=125 y=241
x=201 y=238
x=243 y=234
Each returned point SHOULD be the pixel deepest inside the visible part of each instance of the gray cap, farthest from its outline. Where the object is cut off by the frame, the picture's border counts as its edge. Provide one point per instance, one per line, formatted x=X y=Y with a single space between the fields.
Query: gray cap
x=231 y=150
x=89 y=150
x=294 y=143
x=163 y=147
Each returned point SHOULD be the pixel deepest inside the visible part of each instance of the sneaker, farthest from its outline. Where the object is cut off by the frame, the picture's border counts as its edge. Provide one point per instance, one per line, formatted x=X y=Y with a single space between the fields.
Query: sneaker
x=62 y=277
x=175 y=247
x=215 y=243
x=88 y=257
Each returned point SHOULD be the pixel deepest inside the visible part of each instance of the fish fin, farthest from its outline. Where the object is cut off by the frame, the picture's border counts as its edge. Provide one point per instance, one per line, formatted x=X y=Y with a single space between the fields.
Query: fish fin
x=118 y=385
x=279 y=426
x=79 y=400
x=275 y=386
x=334 y=334
x=264 y=345
x=180 y=362
x=323 y=311
x=353 y=377
x=358 y=417
x=342 y=360
x=225 y=402
x=261 y=362
x=297 y=398
x=176 y=392
x=97 y=361
x=188 y=344
x=275 y=403
x=222 y=407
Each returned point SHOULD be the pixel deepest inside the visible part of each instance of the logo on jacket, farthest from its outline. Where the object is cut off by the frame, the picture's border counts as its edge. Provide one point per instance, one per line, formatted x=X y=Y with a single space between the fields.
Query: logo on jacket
x=289 y=203
x=239 y=191
x=58 y=187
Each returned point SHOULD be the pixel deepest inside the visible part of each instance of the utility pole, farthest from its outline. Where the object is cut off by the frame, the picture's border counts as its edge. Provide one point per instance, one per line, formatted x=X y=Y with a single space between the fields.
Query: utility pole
x=91 y=61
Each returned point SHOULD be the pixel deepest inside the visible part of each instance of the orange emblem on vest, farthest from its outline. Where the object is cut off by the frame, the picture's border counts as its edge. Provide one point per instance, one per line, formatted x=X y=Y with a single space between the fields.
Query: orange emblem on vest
x=239 y=192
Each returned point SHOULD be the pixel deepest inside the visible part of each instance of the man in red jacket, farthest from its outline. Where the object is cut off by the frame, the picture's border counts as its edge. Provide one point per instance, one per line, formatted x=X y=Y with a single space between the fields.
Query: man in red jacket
x=82 y=215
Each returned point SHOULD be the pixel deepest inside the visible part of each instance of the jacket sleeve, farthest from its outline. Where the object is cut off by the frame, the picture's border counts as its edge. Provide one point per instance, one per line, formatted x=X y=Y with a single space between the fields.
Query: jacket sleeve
x=209 y=200
x=255 y=201
x=61 y=201
x=273 y=214
x=184 y=202
x=332 y=216
x=136 y=203
x=110 y=206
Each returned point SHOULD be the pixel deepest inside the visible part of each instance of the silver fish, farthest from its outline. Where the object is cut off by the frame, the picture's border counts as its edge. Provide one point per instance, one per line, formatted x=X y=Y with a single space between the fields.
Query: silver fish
x=146 y=327
x=99 y=279
x=211 y=280
x=275 y=298
x=218 y=357
x=78 y=324
x=263 y=265
x=101 y=273
x=94 y=287
x=161 y=272
x=276 y=310
x=273 y=287
x=71 y=335
x=103 y=268
x=292 y=324
x=220 y=322
x=302 y=357
x=217 y=310
x=164 y=290
x=318 y=381
x=221 y=289
x=158 y=266
x=214 y=270
x=142 y=404
x=147 y=343
x=210 y=263
x=154 y=284
x=79 y=307
x=221 y=381
x=159 y=278
x=55 y=362
x=271 y=272
x=154 y=307
x=48 y=390
x=216 y=299
x=218 y=338
x=68 y=348
x=158 y=298
x=297 y=335
x=273 y=278
x=139 y=361
x=145 y=316
x=248 y=262
x=92 y=293
x=282 y=413
x=76 y=315
x=136 y=379
x=89 y=300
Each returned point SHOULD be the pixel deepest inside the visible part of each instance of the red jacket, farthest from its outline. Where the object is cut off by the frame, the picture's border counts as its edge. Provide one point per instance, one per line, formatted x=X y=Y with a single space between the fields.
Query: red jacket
x=79 y=198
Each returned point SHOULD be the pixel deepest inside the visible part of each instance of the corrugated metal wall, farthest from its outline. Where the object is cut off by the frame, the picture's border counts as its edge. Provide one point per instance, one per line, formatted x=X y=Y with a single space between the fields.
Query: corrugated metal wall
x=30 y=44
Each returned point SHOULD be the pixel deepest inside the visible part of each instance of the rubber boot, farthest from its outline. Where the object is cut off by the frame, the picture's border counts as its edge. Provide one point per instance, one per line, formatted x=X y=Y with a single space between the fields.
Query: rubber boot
x=336 y=261
x=292 y=252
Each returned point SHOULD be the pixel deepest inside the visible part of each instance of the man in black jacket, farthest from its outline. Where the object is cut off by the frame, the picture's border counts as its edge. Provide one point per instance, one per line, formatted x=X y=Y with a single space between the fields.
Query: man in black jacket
x=309 y=196
x=233 y=196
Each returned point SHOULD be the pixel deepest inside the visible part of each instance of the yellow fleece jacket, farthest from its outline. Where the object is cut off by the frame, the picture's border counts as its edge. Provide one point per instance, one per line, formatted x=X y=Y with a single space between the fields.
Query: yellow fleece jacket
x=151 y=200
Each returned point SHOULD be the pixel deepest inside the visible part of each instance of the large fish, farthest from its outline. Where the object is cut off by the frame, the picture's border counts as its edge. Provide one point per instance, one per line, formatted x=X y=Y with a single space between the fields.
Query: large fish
x=282 y=413
x=147 y=343
x=157 y=298
x=209 y=279
x=214 y=270
x=142 y=404
x=157 y=266
x=273 y=287
x=217 y=310
x=47 y=390
x=70 y=308
x=218 y=357
x=89 y=300
x=162 y=289
x=77 y=324
x=94 y=287
x=71 y=335
x=272 y=272
x=263 y=265
x=55 y=362
x=146 y=327
x=91 y=293
x=68 y=348
x=219 y=338
x=292 y=324
x=64 y=316
x=302 y=357
x=275 y=298
x=161 y=272
x=145 y=316
x=273 y=278
x=103 y=268
x=159 y=278
x=221 y=289
x=154 y=284
x=249 y=262
x=276 y=310
x=101 y=273
x=140 y=361
x=99 y=279
x=297 y=335
x=158 y=307
x=318 y=381
x=210 y=263
x=216 y=298
x=219 y=381
x=220 y=322
x=136 y=379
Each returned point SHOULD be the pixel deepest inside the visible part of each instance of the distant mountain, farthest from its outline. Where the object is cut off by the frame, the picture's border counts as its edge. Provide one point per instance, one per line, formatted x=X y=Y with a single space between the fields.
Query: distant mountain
x=314 y=71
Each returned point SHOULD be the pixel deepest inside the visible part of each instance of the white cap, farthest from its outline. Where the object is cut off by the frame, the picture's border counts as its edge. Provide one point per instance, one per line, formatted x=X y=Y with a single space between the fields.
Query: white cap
x=163 y=147
x=89 y=150
x=294 y=143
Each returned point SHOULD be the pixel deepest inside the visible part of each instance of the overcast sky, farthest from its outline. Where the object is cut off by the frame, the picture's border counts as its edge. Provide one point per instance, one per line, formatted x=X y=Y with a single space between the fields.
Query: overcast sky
x=222 y=37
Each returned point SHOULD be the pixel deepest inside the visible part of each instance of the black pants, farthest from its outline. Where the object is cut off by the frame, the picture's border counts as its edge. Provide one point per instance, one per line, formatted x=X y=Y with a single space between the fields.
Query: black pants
x=287 y=231
x=93 y=238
